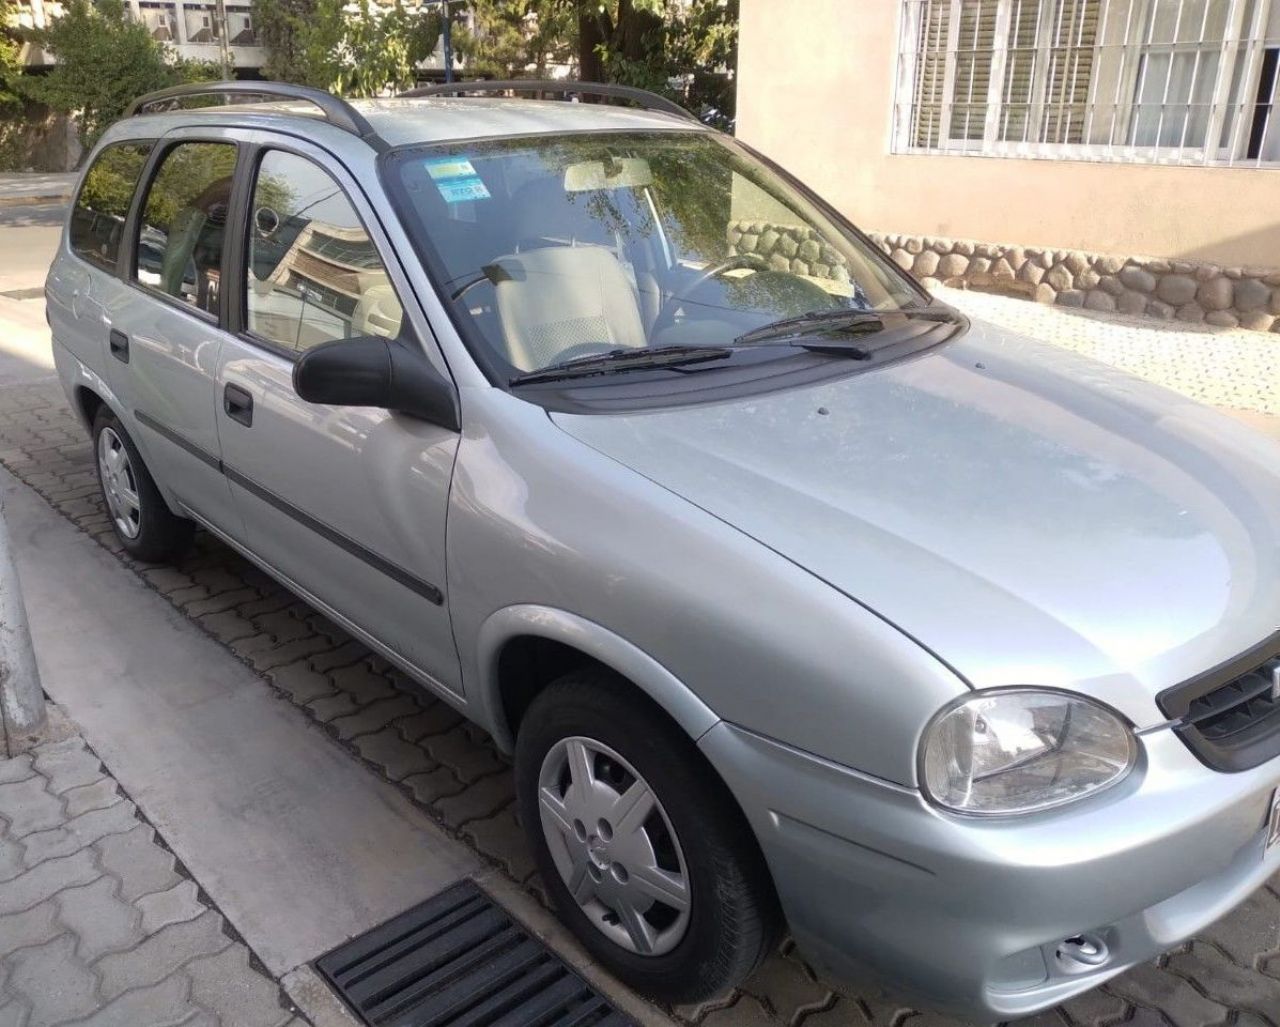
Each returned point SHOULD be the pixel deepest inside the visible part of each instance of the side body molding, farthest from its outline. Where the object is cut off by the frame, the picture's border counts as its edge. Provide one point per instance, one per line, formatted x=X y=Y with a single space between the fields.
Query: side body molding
x=598 y=642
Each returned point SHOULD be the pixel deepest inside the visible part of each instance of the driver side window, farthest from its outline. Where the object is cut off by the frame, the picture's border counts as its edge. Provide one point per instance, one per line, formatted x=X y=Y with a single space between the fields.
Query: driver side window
x=314 y=274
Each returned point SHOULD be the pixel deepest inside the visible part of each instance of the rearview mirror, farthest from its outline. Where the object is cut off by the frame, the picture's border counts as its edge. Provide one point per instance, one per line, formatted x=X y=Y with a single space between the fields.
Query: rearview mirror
x=370 y=371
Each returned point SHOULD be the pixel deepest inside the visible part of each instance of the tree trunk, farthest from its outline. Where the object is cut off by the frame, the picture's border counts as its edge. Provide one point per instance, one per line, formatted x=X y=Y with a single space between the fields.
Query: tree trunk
x=590 y=36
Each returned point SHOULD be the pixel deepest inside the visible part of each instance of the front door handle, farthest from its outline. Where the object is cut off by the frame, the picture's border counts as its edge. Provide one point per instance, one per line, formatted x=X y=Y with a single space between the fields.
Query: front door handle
x=119 y=345
x=238 y=404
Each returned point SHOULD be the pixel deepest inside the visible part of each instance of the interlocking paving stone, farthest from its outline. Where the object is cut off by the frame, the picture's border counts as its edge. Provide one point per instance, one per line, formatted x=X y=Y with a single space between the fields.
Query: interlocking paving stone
x=99 y=795
x=333 y=678
x=162 y=953
x=67 y=764
x=396 y=757
x=1253 y=928
x=137 y=862
x=161 y=908
x=1224 y=981
x=101 y=921
x=164 y=1004
x=52 y=982
x=30 y=927
x=28 y=806
x=46 y=880
x=1148 y=985
x=226 y=981
x=78 y=832
x=103 y=929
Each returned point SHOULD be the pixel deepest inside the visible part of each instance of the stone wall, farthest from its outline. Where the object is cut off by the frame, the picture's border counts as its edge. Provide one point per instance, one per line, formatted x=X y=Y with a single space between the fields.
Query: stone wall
x=789 y=248
x=1165 y=289
x=36 y=140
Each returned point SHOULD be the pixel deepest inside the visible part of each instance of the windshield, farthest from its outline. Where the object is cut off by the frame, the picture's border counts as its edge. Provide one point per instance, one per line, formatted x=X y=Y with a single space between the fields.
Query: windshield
x=551 y=249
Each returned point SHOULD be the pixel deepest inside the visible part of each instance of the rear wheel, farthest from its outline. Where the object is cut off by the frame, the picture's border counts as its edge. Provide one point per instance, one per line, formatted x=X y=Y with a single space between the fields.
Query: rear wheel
x=642 y=848
x=143 y=523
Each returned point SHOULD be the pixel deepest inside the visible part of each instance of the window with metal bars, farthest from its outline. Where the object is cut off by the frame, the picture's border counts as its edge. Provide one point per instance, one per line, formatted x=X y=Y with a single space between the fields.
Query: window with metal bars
x=1168 y=81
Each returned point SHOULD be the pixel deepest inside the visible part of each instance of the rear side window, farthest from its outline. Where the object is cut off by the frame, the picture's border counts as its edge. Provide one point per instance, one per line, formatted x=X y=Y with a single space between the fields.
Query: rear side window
x=183 y=227
x=97 y=222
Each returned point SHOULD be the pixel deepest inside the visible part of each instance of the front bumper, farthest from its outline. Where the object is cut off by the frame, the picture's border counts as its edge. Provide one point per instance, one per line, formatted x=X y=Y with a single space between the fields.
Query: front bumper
x=967 y=915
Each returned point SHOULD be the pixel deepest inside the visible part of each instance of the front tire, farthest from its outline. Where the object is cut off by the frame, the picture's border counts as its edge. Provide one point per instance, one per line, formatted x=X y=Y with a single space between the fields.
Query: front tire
x=143 y=522
x=642 y=848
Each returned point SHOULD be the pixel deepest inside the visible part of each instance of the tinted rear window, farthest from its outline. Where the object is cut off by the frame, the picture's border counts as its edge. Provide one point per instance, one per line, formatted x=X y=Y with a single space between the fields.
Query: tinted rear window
x=97 y=223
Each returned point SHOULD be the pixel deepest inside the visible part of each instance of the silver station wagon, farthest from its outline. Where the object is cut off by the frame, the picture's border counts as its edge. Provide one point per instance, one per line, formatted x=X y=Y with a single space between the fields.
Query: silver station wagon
x=799 y=599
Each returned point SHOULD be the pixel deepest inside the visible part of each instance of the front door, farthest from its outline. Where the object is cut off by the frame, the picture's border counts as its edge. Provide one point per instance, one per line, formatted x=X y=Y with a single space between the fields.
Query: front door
x=349 y=503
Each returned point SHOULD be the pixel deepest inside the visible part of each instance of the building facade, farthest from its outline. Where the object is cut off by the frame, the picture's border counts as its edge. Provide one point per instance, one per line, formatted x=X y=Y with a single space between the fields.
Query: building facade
x=191 y=28
x=1116 y=154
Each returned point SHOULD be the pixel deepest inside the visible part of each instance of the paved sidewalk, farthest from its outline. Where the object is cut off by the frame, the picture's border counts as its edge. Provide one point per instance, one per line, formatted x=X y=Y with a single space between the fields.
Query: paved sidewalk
x=1232 y=368
x=99 y=924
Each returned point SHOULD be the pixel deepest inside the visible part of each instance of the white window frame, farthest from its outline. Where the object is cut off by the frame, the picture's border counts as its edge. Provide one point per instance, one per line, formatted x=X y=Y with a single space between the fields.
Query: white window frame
x=1241 y=43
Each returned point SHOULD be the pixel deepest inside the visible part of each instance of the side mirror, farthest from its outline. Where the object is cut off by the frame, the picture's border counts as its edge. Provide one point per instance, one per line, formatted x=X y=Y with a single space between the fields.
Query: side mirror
x=370 y=371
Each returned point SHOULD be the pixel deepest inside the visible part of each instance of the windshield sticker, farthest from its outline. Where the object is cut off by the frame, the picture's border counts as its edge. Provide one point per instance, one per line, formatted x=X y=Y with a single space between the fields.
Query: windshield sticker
x=450 y=167
x=460 y=190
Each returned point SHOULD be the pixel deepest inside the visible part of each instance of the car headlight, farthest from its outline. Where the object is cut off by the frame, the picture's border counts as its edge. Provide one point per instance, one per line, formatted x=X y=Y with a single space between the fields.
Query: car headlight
x=1021 y=750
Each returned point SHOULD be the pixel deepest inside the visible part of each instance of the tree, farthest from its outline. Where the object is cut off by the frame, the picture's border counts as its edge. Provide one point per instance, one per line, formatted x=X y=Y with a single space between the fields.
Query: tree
x=686 y=49
x=360 y=52
x=104 y=61
x=10 y=57
x=510 y=38
x=281 y=29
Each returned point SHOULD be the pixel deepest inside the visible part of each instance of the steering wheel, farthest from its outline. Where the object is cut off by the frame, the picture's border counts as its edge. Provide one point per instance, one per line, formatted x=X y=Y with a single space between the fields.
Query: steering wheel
x=667 y=314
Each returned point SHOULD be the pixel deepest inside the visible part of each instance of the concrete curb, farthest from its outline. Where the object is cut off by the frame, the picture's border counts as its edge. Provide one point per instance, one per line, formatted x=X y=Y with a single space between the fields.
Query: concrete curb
x=34 y=201
x=22 y=709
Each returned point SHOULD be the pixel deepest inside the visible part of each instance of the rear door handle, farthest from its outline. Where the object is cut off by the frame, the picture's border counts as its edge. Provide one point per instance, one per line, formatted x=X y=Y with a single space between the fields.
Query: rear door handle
x=238 y=404
x=119 y=344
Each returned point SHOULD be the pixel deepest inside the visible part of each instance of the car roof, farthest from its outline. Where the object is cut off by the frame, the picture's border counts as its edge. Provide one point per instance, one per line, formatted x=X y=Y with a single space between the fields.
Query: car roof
x=438 y=119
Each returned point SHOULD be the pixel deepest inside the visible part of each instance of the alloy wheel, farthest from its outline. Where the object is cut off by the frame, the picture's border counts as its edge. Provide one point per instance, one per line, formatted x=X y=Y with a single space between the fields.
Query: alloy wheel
x=119 y=483
x=614 y=847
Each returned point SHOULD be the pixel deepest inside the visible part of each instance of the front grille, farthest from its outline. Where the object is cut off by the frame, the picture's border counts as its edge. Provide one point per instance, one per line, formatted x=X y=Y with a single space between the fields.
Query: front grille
x=1231 y=718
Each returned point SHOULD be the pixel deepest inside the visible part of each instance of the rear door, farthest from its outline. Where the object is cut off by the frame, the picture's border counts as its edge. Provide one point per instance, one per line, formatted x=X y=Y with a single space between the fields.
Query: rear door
x=83 y=290
x=349 y=503
x=164 y=343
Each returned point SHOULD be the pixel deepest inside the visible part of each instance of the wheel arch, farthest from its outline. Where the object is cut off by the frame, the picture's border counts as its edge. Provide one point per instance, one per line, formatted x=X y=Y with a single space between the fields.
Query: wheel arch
x=523 y=648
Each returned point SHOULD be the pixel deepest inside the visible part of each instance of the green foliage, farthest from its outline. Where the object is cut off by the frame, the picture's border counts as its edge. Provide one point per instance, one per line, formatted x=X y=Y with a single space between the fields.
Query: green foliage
x=109 y=186
x=353 y=53
x=281 y=27
x=513 y=38
x=683 y=48
x=104 y=60
x=10 y=59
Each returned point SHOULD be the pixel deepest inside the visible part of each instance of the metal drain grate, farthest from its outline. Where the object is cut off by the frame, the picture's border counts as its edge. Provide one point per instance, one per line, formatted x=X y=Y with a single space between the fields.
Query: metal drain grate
x=459 y=960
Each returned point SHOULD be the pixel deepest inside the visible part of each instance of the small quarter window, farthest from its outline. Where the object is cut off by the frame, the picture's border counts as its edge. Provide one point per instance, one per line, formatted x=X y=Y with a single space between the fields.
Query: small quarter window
x=184 y=224
x=97 y=222
x=314 y=273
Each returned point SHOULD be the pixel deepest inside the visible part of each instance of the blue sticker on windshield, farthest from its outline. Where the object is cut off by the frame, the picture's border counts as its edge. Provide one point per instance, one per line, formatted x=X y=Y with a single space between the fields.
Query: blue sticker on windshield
x=459 y=190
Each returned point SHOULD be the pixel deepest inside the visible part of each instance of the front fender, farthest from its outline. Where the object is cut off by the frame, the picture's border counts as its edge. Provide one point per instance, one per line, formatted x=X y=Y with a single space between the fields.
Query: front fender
x=598 y=642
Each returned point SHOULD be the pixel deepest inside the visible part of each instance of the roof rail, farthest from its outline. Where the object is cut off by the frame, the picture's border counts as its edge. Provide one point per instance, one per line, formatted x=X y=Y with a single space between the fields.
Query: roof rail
x=649 y=101
x=335 y=109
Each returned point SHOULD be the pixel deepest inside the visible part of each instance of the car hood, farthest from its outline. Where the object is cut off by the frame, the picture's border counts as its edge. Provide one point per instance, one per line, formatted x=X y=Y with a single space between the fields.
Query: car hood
x=1030 y=516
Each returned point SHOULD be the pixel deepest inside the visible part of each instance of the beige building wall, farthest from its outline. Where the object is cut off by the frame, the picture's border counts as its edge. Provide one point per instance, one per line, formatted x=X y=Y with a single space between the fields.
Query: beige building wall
x=816 y=90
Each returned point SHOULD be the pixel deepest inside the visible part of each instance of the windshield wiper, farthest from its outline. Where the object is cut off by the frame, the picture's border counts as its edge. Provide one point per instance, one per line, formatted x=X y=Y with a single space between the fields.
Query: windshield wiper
x=816 y=322
x=623 y=360
x=844 y=322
